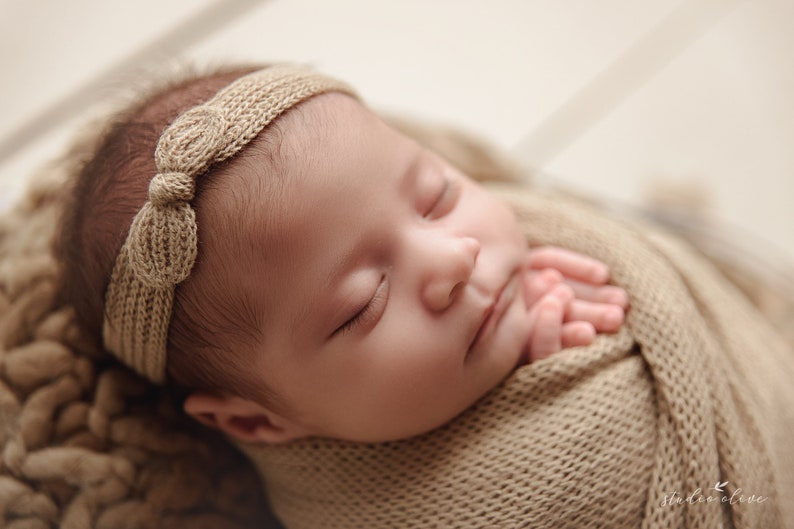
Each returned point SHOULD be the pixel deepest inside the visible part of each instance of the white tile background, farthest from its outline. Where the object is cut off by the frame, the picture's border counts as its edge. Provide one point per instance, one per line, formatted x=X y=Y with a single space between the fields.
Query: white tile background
x=613 y=98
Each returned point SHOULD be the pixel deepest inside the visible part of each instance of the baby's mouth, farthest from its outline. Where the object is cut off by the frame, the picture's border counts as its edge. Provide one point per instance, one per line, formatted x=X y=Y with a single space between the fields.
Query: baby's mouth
x=493 y=314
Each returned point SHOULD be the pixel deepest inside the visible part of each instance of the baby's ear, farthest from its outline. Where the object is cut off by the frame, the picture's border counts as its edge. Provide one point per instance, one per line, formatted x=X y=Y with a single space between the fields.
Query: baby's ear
x=242 y=419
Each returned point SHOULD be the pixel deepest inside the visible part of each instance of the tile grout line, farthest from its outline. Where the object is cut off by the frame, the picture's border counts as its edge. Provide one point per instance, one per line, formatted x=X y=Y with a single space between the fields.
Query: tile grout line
x=609 y=88
x=175 y=40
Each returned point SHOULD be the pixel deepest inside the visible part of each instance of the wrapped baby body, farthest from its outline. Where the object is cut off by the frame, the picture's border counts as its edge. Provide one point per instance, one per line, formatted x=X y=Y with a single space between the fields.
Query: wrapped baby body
x=682 y=419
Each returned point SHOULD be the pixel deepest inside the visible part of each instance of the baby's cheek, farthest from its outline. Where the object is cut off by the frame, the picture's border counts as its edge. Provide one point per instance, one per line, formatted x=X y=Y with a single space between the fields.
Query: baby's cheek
x=514 y=229
x=509 y=234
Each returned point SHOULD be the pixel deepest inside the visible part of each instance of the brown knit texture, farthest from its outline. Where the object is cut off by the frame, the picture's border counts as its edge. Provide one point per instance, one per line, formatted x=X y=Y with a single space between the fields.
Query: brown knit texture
x=696 y=389
x=591 y=438
x=162 y=244
x=84 y=443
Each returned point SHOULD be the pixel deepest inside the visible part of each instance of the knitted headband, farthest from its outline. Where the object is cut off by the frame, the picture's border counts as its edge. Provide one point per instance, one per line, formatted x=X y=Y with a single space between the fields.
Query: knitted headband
x=161 y=246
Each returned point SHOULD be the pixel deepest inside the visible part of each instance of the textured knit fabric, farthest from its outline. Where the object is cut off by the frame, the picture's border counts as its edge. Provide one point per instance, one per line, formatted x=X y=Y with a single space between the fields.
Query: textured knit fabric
x=162 y=244
x=84 y=443
x=693 y=397
x=592 y=437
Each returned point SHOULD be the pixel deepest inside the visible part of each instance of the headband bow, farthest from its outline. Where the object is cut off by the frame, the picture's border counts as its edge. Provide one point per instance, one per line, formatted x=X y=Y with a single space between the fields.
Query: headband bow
x=162 y=243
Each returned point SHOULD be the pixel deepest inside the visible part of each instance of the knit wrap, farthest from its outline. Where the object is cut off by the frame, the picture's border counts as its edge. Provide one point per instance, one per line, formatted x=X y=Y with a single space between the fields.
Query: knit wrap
x=691 y=399
x=162 y=243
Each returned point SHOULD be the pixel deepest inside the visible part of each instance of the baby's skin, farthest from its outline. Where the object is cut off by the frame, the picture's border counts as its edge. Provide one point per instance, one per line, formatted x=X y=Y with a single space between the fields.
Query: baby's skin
x=568 y=300
x=393 y=291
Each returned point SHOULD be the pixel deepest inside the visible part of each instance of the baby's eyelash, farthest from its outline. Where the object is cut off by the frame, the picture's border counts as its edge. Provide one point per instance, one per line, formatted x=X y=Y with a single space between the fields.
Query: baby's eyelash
x=368 y=312
x=439 y=197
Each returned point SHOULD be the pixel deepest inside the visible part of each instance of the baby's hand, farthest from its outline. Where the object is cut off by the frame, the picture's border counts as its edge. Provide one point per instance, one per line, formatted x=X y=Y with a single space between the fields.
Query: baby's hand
x=569 y=300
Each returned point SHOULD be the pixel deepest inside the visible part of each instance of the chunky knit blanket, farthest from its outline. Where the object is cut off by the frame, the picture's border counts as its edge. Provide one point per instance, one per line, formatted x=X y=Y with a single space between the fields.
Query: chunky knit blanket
x=681 y=420
x=83 y=442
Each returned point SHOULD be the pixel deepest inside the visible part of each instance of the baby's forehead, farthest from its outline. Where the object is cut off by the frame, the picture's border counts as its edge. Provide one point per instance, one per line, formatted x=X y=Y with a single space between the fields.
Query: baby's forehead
x=285 y=211
x=316 y=119
x=266 y=169
x=257 y=198
x=290 y=142
x=248 y=202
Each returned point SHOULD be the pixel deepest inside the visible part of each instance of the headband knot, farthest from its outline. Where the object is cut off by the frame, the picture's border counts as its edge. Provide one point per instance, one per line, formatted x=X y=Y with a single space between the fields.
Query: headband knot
x=192 y=142
x=168 y=188
x=163 y=243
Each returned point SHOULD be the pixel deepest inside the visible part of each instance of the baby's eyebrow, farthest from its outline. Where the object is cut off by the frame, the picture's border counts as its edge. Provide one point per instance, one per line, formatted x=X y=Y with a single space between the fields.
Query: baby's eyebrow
x=325 y=303
x=344 y=258
x=341 y=261
x=334 y=303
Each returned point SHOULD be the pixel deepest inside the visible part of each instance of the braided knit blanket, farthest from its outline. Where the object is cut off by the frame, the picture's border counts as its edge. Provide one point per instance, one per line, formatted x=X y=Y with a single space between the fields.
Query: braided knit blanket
x=683 y=419
x=83 y=442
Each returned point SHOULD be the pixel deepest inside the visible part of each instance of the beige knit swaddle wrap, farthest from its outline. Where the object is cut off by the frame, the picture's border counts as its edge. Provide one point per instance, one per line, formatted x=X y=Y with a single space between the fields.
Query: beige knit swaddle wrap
x=695 y=391
x=161 y=247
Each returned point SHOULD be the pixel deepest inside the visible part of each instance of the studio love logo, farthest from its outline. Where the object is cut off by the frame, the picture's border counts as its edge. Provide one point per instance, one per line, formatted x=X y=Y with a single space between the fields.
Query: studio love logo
x=716 y=494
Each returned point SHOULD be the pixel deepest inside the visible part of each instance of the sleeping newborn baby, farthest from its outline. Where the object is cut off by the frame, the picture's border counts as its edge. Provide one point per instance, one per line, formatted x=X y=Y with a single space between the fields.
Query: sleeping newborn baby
x=335 y=279
x=389 y=291
x=371 y=327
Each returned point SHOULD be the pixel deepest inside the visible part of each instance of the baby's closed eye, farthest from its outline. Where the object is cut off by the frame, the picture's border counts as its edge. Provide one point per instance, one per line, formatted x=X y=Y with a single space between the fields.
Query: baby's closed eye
x=367 y=315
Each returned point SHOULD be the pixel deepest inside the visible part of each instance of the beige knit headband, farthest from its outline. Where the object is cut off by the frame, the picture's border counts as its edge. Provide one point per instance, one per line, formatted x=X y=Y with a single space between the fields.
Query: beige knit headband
x=161 y=246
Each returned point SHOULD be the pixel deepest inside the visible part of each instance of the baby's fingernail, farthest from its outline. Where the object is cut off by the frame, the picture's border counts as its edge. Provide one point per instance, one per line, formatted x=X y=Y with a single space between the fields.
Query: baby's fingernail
x=616 y=296
x=551 y=276
x=585 y=334
x=564 y=292
x=600 y=273
x=613 y=318
x=551 y=302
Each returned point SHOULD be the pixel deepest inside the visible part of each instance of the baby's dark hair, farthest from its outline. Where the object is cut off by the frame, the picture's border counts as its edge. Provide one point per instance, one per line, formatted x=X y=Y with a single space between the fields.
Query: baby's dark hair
x=208 y=325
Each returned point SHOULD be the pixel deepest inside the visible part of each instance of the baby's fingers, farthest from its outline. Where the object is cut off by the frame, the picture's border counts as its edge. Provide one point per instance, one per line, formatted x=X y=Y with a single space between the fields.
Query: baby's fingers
x=572 y=265
x=546 y=338
x=538 y=284
x=577 y=333
x=600 y=294
x=604 y=317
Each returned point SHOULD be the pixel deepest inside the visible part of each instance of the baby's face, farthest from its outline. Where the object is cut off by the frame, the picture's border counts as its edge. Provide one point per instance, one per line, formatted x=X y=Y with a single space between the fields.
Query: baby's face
x=390 y=280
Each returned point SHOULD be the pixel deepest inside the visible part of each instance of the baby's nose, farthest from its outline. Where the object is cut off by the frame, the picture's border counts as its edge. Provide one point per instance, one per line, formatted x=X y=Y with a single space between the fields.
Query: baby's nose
x=451 y=268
